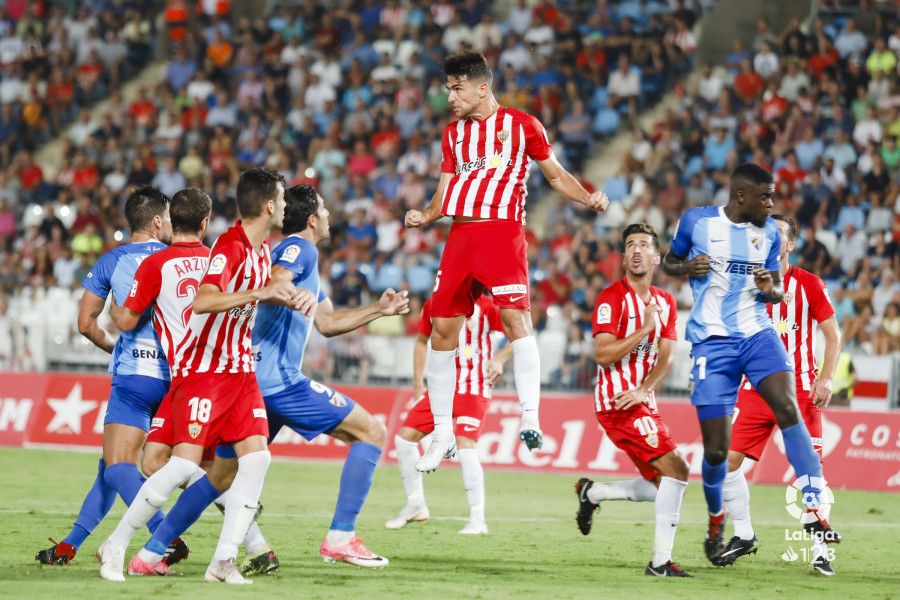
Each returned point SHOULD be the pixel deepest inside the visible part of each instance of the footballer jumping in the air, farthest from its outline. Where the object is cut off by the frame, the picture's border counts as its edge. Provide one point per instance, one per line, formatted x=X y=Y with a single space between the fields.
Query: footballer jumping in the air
x=486 y=156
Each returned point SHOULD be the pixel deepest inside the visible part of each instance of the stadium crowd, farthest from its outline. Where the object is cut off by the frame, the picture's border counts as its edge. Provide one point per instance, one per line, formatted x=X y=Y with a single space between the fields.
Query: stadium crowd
x=353 y=101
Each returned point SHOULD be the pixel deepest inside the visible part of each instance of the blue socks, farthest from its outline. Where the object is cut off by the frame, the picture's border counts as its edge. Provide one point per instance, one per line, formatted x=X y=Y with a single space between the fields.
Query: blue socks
x=802 y=456
x=96 y=504
x=190 y=505
x=356 y=480
x=713 y=480
x=125 y=479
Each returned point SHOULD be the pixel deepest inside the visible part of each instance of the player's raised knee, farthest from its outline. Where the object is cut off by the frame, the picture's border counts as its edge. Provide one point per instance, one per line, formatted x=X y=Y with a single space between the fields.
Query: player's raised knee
x=376 y=432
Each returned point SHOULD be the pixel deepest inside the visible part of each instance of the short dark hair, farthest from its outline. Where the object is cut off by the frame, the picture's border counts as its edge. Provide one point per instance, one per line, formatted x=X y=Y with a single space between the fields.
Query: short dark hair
x=301 y=202
x=752 y=173
x=256 y=187
x=188 y=208
x=793 y=229
x=636 y=228
x=471 y=65
x=142 y=205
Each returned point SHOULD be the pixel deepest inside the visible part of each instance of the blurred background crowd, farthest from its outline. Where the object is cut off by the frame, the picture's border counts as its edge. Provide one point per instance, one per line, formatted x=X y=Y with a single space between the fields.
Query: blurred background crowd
x=349 y=96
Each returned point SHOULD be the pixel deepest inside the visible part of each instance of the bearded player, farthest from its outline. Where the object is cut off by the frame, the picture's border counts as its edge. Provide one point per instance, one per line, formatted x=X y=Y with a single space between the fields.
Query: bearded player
x=140 y=373
x=168 y=282
x=477 y=370
x=634 y=340
x=805 y=302
x=486 y=153
x=215 y=398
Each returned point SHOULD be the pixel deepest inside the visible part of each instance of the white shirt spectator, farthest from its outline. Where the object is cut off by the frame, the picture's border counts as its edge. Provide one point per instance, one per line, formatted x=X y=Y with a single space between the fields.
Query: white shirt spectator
x=200 y=89
x=384 y=46
x=388 y=235
x=850 y=44
x=791 y=85
x=222 y=115
x=827 y=238
x=835 y=179
x=455 y=35
x=543 y=37
x=81 y=131
x=624 y=85
x=317 y=94
x=710 y=87
x=11 y=48
x=291 y=54
x=416 y=162
x=115 y=181
x=405 y=50
x=867 y=131
x=766 y=64
x=519 y=19
x=486 y=35
x=517 y=56
x=385 y=72
x=850 y=249
x=64 y=270
x=328 y=71
x=879 y=89
x=11 y=89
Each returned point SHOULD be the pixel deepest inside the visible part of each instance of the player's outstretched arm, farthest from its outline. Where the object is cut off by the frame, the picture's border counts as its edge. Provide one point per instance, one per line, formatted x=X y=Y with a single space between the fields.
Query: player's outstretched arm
x=420 y=353
x=417 y=218
x=609 y=349
x=675 y=266
x=89 y=309
x=565 y=183
x=627 y=399
x=821 y=391
x=332 y=322
x=211 y=299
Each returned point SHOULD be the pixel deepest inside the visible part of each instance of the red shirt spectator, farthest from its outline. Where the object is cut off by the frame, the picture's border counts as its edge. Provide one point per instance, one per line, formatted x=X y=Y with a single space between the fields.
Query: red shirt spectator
x=791 y=172
x=30 y=175
x=748 y=84
x=773 y=106
x=85 y=177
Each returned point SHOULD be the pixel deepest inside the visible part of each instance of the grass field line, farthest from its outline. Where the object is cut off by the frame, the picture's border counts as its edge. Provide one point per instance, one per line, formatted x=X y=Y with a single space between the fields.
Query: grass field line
x=324 y=515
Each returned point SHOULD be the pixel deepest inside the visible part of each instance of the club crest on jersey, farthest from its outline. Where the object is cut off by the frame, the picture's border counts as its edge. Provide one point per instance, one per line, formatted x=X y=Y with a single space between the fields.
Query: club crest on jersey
x=652 y=440
x=338 y=401
x=604 y=314
x=217 y=264
x=503 y=135
x=291 y=254
x=194 y=430
x=788 y=298
x=755 y=242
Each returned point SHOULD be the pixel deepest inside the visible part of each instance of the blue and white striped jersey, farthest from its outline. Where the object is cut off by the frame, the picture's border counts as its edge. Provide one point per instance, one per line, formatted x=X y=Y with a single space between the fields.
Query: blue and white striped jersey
x=727 y=302
x=280 y=334
x=137 y=352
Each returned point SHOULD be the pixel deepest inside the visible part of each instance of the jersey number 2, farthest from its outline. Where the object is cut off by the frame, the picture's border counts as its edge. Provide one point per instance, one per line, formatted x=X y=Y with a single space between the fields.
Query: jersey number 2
x=187 y=288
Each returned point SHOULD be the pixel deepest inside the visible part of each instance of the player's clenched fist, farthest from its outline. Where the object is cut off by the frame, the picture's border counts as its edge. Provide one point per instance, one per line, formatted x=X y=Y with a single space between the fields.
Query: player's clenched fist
x=414 y=218
x=304 y=301
x=597 y=201
x=281 y=292
x=650 y=316
x=763 y=280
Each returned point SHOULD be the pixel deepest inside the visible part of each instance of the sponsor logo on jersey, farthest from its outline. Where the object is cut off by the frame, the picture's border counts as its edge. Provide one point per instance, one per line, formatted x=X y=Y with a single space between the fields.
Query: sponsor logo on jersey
x=604 y=314
x=742 y=267
x=469 y=422
x=217 y=264
x=652 y=440
x=157 y=422
x=259 y=413
x=291 y=253
x=468 y=352
x=495 y=161
x=194 y=430
x=783 y=327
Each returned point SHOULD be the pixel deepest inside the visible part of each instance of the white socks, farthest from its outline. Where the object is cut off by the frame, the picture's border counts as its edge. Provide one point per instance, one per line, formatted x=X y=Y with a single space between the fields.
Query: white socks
x=668 y=509
x=440 y=375
x=527 y=373
x=736 y=496
x=473 y=480
x=242 y=502
x=152 y=495
x=636 y=490
x=339 y=538
x=407 y=456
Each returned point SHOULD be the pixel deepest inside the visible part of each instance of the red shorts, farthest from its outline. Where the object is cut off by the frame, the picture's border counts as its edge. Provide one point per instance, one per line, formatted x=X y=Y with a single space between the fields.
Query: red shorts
x=479 y=255
x=468 y=415
x=211 y=409
x=162 y=432
x=641 y=434
x=754 y=422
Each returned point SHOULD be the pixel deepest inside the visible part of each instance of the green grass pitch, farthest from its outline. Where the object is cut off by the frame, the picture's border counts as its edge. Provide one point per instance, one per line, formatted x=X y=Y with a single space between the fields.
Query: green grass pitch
x=533 y=550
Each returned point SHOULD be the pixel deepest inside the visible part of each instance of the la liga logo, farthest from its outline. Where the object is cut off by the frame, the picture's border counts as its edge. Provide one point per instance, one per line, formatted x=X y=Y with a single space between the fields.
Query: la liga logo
x=797 y=501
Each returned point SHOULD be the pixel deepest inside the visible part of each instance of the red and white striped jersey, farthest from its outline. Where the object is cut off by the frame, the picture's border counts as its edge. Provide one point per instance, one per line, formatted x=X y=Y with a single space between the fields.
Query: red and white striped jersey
x=475 y=349
x=221 y=342
x=805 y=300
x=619 y=310
x=169 y=282
x=490 y=161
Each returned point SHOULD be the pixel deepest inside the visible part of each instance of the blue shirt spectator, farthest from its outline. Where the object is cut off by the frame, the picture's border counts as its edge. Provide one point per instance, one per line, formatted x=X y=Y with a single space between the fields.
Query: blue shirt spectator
x=716 y=150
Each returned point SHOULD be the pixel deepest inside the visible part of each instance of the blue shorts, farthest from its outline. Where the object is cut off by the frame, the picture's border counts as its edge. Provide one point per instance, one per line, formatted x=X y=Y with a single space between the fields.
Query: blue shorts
x=134 y=399
x=720 y=362
x=307 y=407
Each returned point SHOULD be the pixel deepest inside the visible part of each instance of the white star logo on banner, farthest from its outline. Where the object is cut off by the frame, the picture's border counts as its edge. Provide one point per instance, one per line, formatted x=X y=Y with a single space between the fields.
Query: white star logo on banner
x=69 y=411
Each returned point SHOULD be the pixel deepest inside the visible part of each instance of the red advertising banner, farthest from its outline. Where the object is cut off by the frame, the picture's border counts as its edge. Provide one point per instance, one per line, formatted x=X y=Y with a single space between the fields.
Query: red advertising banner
x=862 y=449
